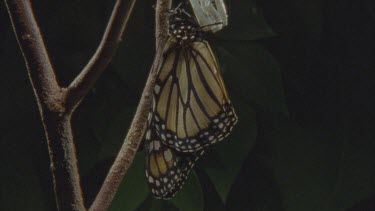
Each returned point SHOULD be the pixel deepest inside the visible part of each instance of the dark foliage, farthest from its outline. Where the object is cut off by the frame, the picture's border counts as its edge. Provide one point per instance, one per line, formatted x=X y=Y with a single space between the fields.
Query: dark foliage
x=300 y=75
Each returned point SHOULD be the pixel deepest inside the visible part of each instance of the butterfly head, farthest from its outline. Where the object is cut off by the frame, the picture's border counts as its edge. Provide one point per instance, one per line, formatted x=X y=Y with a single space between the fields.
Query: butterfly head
x=183 y=27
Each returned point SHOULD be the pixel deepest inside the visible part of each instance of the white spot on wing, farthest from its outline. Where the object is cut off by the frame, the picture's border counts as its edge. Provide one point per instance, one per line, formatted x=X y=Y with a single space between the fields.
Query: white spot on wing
x=157 y=89
x=168 y=155
x=150 y=180
x=153 y=104
x=148 y=135
x=156 y=145
x=151 y=147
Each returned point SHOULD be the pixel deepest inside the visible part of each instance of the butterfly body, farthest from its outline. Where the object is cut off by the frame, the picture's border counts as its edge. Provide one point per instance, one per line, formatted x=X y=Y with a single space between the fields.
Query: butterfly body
x=183 y=28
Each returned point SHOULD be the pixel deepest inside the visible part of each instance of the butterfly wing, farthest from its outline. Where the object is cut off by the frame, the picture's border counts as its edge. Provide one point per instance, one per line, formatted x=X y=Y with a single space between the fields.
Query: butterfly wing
x=166 y=168
x=191 y=105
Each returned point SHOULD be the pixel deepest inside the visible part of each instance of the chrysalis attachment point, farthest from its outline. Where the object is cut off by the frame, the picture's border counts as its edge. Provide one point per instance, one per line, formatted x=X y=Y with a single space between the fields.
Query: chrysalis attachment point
x=209 y=13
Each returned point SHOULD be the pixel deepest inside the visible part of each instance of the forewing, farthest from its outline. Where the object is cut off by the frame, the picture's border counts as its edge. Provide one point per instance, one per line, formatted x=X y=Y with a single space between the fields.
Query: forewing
x=191 y=105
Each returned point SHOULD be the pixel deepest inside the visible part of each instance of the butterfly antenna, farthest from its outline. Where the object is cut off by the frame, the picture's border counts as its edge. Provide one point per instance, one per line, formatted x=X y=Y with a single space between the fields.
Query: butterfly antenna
x=213 y=24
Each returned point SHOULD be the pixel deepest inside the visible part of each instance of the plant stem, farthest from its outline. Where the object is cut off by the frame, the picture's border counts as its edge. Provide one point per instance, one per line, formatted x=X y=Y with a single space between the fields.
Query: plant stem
x=135 y=134
x=103 y=55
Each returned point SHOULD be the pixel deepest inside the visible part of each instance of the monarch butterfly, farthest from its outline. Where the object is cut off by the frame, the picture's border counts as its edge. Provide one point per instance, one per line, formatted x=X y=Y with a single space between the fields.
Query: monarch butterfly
x=190 y=108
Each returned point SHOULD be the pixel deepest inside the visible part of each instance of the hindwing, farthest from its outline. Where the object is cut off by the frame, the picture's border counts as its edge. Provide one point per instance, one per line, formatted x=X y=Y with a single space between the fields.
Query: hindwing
x=166 y=168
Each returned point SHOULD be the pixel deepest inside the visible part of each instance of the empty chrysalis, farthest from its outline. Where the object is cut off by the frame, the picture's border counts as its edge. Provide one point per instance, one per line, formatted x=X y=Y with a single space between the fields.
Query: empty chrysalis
x=210 y=13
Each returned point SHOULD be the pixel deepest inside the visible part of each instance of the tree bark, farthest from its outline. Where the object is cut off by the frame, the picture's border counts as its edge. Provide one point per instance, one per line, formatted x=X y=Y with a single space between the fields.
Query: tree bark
x=56 y=104
x=49 y=97
x=63 y=161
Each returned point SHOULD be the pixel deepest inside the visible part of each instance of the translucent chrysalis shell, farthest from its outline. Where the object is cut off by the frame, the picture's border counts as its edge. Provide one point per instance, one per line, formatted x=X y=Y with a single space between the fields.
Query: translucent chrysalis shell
x=211 y=15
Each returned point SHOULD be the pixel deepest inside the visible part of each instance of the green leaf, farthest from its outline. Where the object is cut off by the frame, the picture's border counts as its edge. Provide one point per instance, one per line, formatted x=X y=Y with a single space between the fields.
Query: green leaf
x=133 y=189
x=212 y=199
x=153 y=204
x=251 y=73
x=301 y=162
x=114 y=133
x=253 y=80
x=108 y=130
x=246 y=22
x=189 y=198
x=356 y=172
x=228 y=156
x=191 y=195
x=311 y=169
x=255 y=188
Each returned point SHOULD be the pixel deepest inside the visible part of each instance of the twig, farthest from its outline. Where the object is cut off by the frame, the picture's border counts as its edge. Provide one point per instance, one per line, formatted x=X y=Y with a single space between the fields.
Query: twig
x=135 y=134
x=103 y=55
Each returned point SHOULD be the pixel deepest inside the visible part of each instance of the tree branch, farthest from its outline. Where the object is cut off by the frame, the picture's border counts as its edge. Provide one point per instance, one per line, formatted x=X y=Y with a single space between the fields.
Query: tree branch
x=135 y=134
x=56 y=122
x=56 y=104
x=83 y=83
x=39 y=67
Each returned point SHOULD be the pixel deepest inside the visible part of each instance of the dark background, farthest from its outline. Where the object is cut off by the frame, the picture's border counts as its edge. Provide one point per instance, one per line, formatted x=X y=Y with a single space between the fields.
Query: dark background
x=300 y=75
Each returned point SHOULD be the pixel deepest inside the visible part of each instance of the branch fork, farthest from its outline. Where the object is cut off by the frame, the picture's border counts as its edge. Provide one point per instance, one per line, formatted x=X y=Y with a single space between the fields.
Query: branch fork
x=56 y=104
